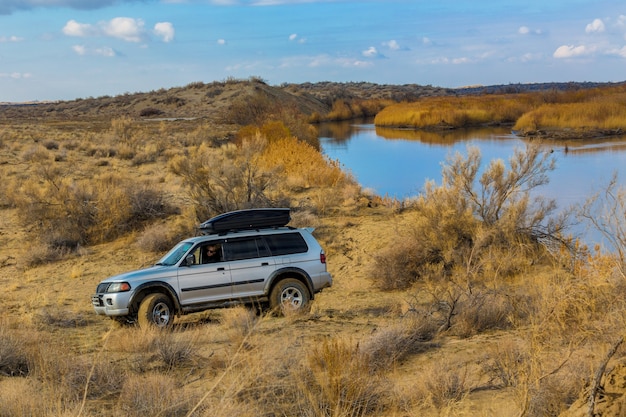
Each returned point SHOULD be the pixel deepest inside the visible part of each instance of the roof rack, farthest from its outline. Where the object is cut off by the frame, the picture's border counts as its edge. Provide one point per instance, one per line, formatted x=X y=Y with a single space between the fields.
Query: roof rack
x=250 y=219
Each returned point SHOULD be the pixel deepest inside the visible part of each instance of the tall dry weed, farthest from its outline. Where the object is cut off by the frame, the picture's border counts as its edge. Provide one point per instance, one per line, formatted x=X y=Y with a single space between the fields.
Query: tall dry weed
x=151 y=394
x=341 y=382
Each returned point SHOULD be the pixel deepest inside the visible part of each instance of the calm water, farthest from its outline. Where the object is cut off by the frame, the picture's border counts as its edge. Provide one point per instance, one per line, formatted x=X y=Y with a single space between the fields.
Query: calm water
x=397 y=162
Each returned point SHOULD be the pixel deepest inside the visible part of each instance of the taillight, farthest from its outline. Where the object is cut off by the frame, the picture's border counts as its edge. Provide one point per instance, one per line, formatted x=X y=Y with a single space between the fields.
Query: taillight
x=322 y=257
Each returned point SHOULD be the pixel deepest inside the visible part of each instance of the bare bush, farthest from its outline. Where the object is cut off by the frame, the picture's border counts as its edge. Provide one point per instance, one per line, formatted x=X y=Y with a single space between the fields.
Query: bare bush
x=340 y=382
x=606 y=213
x=152 y=394
x=176 y=349
x=482 y=310
x=72 y=213
x=228 y=178
x=459 y=225
x=443 y=383
x=504 y=363
x=156 y=238
x=13 y=358
x=388 y=347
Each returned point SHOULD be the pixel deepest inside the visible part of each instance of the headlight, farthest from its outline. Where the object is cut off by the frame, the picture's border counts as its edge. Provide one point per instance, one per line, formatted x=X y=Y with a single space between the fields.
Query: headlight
x=119 y=287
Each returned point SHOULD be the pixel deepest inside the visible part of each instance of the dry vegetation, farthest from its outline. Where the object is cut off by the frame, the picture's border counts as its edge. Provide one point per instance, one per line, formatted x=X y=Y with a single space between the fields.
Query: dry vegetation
x=571 y=113
x=468 y=300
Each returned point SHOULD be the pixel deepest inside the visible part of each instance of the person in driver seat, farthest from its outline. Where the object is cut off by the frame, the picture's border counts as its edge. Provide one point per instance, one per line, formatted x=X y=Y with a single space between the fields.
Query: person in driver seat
x=212 y=253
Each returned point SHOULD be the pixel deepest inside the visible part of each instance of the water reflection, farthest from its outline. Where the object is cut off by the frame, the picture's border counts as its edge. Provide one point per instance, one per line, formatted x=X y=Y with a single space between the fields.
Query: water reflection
x=396 y=162
x=440 y=137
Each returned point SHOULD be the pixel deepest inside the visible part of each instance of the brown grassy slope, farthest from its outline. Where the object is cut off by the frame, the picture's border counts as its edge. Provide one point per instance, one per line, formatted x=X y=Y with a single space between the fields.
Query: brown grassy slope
x=213 y=100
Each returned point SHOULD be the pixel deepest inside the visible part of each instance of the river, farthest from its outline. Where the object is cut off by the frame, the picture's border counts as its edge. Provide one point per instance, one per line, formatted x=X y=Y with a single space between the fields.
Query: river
x=397 y=162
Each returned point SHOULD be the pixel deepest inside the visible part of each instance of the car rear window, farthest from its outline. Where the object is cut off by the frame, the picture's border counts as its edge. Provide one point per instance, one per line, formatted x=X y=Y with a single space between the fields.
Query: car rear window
x=286 y=243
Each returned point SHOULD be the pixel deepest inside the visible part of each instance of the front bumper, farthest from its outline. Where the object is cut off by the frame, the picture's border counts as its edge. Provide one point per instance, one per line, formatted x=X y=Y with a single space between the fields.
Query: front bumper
x=113 y=304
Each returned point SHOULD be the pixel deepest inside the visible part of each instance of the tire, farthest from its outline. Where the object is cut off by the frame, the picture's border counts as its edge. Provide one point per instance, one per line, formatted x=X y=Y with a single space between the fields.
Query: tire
x=155 y=310
x=289 y=295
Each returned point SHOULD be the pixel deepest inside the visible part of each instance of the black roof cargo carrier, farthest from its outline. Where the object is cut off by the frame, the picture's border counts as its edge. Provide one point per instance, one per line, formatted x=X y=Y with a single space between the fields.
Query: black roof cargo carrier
x=246 y=220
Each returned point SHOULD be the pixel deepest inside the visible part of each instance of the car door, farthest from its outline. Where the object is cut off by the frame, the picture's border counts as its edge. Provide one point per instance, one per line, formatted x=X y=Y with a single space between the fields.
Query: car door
x=251 y=264
x=204 y=282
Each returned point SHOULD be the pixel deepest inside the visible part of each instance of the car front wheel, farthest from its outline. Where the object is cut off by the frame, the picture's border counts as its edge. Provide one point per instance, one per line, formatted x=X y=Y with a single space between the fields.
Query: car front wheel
x=155 y=310
x=289 y=295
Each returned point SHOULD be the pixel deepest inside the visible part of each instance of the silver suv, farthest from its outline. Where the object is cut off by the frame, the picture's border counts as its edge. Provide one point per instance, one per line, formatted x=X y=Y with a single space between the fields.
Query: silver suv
x=263 y=265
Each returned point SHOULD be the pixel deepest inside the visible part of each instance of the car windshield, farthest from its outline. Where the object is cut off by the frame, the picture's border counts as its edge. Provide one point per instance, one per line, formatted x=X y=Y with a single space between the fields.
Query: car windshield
x=175 y=254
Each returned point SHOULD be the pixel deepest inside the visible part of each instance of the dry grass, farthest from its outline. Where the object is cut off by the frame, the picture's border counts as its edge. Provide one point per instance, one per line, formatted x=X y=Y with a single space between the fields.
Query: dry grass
x=460 y=312
x=456 y=112
x=599 y=110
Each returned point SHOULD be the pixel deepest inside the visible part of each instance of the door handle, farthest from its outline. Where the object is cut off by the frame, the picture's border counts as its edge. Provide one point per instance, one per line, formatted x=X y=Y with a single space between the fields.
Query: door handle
x=221 y=269
x=264 y=263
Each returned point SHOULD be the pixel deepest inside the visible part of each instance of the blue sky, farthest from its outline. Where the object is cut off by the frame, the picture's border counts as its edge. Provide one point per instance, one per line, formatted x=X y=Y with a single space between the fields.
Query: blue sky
x=66 y=49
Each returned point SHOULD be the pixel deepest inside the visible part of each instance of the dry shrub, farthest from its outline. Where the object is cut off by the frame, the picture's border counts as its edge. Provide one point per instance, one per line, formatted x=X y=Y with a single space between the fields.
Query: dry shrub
x=156 y=238
x=151 y=395
x=505 y=363
x=47 y=318
x=340 y=382
x=21 y=397
x=13 y=358
x=553 y=395
x=565 y=309
x=71 y=213
x=482 y=310
x=462 y=226
x=238 y=323
x=389 y=346
x=442 y=383
x=176 y=349
x=45 y=253
x=229 y=178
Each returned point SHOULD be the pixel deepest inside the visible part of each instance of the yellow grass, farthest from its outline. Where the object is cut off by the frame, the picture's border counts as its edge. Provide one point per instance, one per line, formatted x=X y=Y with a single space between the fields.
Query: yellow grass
x=600 y=109
x=455 y=112
x=539 y=334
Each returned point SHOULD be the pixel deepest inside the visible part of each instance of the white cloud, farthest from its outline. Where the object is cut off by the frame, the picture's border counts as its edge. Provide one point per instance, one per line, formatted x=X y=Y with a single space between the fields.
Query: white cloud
x=525 y=30
x=426 y=41
x=597 y=26
x=16 y=75
x=462 y=60
x=104 y=51
x=125 y=28
x=619 y=52
x=293 y=36
x=221 y=41
x=165 y=31
x=392 y=44
x=370 y=52
x=79 y=49
x=571 y=51
x=10 y=39
x=73 y=28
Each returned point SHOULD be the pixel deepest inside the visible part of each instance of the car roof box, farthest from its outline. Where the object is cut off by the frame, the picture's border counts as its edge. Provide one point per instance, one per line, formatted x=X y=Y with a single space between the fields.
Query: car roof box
x=246 y=220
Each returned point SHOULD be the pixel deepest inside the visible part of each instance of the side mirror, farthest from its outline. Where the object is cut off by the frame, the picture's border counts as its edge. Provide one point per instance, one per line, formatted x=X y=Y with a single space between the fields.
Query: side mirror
x=190 y=260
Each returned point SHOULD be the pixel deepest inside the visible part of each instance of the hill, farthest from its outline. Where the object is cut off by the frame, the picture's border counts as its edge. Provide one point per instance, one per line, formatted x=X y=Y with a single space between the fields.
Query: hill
x=215 y=101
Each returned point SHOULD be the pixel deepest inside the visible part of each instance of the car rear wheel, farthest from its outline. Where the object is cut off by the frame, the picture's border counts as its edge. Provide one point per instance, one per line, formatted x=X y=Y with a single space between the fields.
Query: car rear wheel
x=155 y=310
x=289 y=295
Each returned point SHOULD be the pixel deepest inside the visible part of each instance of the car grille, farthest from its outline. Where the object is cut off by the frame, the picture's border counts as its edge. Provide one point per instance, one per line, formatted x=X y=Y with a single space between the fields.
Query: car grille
x=97 y=300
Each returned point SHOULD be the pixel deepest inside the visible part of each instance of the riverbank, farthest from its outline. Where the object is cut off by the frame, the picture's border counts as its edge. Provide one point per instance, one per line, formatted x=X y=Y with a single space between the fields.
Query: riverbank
x=591 y=113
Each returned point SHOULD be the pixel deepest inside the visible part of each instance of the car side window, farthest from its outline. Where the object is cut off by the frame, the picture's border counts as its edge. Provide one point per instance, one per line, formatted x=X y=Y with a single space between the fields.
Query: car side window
x=286 y=243
x=245 y=248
